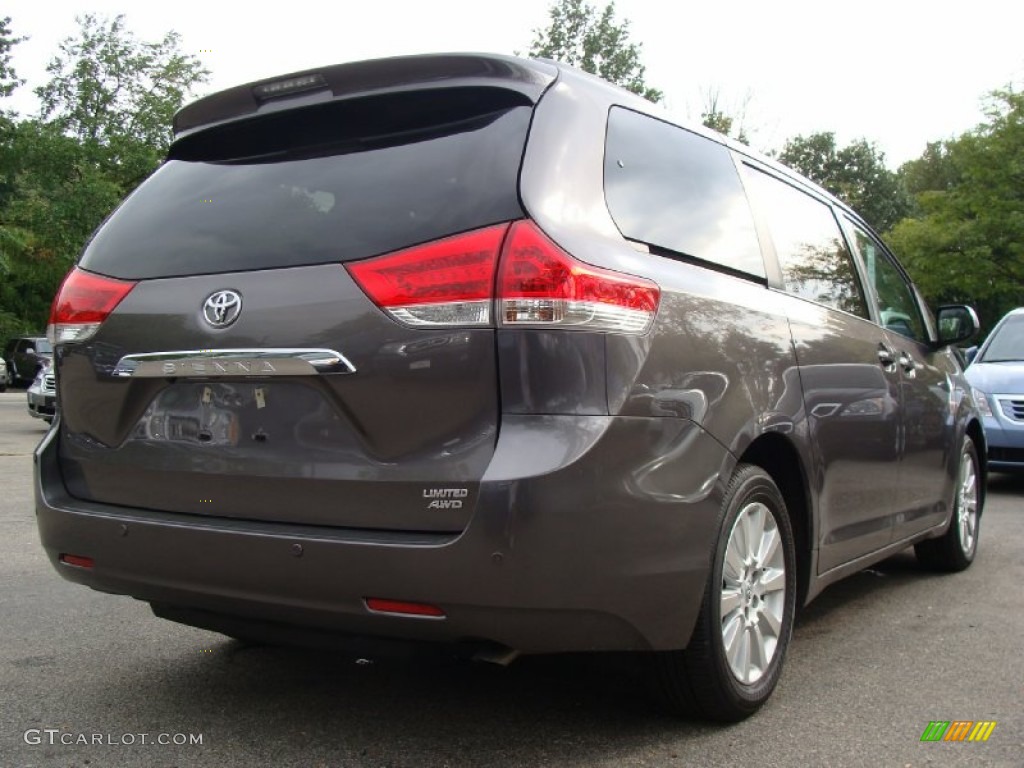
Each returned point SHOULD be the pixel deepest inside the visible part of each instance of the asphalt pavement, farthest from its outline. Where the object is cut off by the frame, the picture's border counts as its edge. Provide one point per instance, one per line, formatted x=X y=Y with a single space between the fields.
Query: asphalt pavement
x=89 y=680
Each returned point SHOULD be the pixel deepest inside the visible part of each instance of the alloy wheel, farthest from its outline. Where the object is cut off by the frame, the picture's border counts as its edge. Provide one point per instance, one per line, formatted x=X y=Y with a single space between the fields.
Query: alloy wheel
x=967 y=503
x=753 y=593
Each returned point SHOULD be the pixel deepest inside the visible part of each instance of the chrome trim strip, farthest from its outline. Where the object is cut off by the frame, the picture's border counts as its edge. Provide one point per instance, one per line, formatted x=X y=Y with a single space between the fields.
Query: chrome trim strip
x=220 y=363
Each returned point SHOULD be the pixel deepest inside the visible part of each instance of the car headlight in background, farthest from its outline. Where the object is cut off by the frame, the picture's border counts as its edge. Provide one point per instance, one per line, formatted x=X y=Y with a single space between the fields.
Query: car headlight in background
x=982 y=400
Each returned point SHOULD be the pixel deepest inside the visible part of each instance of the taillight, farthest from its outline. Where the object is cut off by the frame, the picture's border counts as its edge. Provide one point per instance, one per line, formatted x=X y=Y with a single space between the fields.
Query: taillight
x=83 y=302
x=539 y=284
x=457 y=281
x=444 y=283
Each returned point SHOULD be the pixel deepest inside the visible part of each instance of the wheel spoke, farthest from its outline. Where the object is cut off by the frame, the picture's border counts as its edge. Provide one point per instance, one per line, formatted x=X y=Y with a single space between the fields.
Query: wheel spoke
x=733 y=637
x=758 y=653
x=969 y=482
x=774 y=580
x=770 y=545
x=740 y=661
x=732 y=569
x=755 y=514
x=731 y=631
x=746 y=542
x=772 y=616
x=731 y=601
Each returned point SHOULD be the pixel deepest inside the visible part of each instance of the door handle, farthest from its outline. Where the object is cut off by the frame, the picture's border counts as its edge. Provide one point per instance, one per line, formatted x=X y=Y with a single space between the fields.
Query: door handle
x=908 y=365
x=887 y=358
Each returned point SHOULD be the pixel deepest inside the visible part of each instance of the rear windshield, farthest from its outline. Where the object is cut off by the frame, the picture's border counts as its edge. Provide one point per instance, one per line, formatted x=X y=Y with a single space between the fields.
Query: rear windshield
x=330 y=183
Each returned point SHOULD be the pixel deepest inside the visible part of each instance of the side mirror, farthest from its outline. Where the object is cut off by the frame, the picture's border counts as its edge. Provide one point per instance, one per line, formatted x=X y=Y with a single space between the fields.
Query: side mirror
x=957 y=323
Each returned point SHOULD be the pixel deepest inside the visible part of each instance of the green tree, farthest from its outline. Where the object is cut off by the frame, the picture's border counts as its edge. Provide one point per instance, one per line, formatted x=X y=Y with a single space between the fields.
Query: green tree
x=117 y=94
x=855 y=174
x=715 y=116
x=967 y=243
x=934 y=170
x=11 y=239
x=9 y=79
x=581 y=36
x=104 y=126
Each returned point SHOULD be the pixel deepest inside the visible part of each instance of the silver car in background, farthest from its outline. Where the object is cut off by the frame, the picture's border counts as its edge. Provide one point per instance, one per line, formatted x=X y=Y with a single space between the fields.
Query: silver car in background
x=997 y=374
x=42 y=394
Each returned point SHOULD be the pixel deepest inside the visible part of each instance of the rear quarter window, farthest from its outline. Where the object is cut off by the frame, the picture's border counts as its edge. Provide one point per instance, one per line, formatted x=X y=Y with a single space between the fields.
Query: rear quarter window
x=675 y=190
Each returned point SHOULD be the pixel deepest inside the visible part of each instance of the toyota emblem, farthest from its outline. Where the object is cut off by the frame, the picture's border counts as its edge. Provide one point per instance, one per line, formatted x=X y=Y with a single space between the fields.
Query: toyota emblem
x=222 y=308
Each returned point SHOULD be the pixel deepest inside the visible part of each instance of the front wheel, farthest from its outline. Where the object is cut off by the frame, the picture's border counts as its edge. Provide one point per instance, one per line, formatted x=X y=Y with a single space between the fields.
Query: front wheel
x=734 y=659
x=956 y=548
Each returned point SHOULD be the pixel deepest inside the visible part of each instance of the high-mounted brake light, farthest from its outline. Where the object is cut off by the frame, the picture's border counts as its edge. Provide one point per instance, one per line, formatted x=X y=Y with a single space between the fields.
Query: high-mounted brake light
x=539 y=284
x=444 y=283
x=83 y=302
x=289 y=86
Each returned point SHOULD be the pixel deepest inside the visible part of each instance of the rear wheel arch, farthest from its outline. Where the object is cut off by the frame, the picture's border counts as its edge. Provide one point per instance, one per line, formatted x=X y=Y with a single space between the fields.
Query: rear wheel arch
x=776 y=455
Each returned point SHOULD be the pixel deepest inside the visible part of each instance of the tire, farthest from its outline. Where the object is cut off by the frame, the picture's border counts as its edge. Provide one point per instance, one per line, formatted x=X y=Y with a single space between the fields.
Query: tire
x=711 y=677
x=955 y=549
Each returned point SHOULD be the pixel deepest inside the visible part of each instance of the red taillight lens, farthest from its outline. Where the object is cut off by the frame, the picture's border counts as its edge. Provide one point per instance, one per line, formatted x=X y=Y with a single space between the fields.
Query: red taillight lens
x=540 y=284
x=83 y=302
x=448 y=282
x=403 y=607
x=451 y=282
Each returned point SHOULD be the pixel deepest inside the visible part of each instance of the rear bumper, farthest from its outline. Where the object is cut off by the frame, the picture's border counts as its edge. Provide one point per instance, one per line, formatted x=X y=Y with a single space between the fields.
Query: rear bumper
x=591 y=533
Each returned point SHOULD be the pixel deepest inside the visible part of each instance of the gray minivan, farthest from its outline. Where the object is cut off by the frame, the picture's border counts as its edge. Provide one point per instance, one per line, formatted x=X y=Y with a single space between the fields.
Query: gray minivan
x=486 y=351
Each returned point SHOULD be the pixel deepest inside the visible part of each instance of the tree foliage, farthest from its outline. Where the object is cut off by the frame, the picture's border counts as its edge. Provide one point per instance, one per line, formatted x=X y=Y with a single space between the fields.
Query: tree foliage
x=967 y=243
x=718 y=118
x=9 y=79
x=855 y=174
x=581 y=36
x=104 y=126
x=117 y=94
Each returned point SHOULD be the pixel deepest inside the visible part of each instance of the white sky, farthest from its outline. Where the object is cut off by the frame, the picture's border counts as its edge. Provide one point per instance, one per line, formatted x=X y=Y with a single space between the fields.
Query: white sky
x=897 y=72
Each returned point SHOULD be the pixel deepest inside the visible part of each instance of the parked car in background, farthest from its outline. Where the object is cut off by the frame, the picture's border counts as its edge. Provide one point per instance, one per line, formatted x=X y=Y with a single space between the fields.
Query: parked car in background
x=42 y=394
x=24 y=356
x=481 y=350
x=997 y=374
x=3 y=375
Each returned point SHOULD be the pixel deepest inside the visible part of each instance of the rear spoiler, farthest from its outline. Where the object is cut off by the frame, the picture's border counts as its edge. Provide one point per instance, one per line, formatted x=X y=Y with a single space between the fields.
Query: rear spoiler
x=530 y=78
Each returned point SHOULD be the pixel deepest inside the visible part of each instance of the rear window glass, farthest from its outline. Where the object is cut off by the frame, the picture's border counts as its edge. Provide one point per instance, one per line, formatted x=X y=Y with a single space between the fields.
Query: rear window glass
x=331 y=183
x=673 y=189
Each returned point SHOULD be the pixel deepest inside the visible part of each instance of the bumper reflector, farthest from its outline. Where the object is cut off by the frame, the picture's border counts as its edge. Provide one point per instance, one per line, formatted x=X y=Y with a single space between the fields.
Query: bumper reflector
x=403 y=608
x=79 y=561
